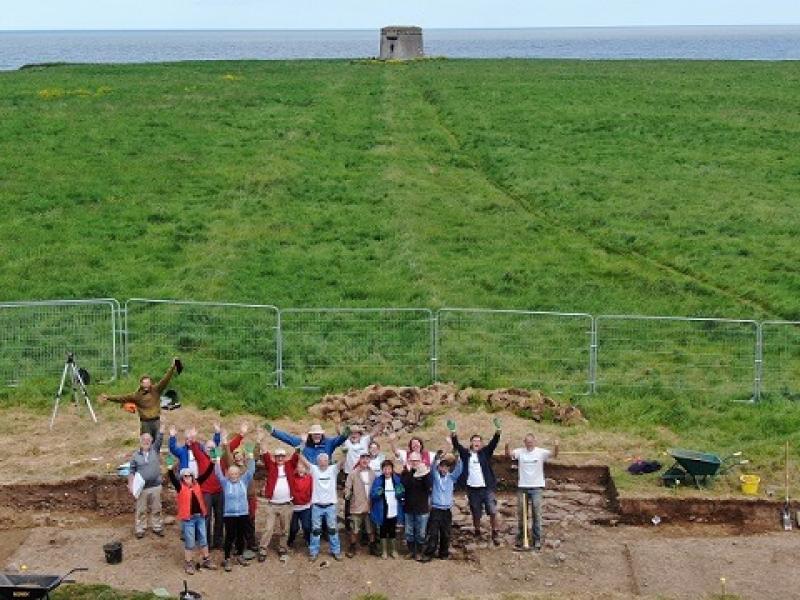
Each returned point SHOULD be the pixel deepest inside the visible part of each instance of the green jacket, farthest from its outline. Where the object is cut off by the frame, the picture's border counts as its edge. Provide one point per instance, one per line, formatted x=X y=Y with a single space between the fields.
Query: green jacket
x=148 y=404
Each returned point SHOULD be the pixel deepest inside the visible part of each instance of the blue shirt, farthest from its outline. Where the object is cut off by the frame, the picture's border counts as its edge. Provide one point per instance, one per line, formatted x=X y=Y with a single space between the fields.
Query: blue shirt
x=442 y=494
x=182 y=452
x=311 y=452
x=235 y=493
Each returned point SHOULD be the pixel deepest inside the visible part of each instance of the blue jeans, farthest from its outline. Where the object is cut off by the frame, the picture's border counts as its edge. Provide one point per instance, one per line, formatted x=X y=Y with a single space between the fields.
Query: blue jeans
x=535 y=495
x=328 y=513
x=194 y=532
x=300 y=518
x=416 y=524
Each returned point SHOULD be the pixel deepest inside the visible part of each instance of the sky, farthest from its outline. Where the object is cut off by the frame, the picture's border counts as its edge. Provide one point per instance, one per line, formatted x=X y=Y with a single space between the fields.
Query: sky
x=370 y=14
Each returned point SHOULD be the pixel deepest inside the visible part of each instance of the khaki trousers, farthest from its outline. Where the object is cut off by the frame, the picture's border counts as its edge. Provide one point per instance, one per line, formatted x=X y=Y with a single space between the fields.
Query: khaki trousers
x=149 y=501
x=276 y=512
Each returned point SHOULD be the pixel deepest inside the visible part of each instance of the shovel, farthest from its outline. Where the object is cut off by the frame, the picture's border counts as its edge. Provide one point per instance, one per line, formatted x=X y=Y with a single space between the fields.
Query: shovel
x=786 y=516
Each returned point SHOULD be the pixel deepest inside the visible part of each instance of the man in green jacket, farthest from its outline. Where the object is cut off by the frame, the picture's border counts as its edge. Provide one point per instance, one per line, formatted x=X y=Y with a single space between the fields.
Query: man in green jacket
x=147 y=400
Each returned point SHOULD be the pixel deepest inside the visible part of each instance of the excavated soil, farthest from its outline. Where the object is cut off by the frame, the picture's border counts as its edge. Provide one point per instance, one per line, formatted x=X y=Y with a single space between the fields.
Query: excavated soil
x=59 y=504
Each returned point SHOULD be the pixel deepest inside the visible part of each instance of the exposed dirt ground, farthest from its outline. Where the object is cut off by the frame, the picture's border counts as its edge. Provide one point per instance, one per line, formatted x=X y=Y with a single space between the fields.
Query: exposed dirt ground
x=77 y=447
x=583 y=560
x=624 y=562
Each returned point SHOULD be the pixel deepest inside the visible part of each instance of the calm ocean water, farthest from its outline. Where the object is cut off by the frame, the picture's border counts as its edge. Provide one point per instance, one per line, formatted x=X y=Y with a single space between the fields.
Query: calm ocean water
x=723 y=43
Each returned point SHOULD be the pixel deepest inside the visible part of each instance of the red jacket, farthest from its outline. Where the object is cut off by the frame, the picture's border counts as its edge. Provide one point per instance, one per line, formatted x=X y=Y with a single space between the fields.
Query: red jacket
x=210 y=485
x=302 y=487
x=271 y=468
x=185 y=501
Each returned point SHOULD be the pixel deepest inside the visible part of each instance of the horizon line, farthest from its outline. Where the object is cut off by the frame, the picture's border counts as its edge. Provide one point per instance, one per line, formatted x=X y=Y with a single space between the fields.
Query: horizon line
x=510 y=28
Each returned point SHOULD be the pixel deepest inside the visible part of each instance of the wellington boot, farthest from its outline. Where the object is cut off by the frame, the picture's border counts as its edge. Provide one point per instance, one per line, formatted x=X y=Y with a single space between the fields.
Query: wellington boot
x=384 y=549
x=393 y=549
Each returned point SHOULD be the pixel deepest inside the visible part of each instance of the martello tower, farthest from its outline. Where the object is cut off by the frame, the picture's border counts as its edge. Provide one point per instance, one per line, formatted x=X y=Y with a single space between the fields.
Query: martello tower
x=401 y=43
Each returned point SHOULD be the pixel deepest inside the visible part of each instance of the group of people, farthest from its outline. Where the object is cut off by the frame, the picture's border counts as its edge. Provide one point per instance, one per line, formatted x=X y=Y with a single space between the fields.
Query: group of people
x=410 y=488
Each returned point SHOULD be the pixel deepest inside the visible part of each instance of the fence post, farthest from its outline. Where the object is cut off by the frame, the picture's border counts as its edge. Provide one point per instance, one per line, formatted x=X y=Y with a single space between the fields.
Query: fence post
x=434 y=343
x=593 y=358
x=279 y=352
x=759 y=362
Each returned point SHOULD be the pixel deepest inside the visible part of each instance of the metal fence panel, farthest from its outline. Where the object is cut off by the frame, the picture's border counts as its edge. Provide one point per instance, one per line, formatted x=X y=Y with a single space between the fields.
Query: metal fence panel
x=780 y=348
x=491 y=348
x=235 y=347
x=35 y=338
x=331 y=347
x=681 y=354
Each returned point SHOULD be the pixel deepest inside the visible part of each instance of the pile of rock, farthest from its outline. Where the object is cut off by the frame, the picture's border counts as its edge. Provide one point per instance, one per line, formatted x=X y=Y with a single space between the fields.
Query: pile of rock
x=403 y=409
x=528 y=403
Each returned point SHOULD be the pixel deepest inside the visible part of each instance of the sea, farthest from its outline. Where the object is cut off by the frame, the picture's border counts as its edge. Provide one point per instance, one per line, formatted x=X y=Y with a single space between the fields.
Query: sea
x=767 y=42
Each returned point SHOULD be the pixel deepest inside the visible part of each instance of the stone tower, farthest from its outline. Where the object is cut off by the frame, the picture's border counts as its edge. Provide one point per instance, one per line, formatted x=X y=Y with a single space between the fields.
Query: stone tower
x=401 y=43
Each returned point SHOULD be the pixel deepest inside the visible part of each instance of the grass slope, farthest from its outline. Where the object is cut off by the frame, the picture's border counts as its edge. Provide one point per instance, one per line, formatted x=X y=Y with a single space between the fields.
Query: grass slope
x=607 y=187
x=644 y=187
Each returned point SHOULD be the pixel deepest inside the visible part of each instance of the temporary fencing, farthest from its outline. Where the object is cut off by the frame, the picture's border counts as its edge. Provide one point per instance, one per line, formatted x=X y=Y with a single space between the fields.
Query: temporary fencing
x=246 y=347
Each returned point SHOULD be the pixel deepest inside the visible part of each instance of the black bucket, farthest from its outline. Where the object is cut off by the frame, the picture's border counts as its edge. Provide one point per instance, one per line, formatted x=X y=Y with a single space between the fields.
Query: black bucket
x=113 y=552
x=188 y=594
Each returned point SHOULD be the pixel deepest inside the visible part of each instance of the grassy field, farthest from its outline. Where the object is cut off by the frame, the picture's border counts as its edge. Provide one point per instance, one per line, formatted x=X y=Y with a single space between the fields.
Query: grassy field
x=98 y=592
x=604 y=187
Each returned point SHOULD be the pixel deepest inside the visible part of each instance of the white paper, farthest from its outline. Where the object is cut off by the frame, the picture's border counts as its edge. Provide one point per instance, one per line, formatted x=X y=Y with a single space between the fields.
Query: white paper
x=137 y=485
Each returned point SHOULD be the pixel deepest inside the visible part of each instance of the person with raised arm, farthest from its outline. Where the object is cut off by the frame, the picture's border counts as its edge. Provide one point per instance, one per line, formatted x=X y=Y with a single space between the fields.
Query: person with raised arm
x=236 y=513
x=531 y=483
x=192 y=516
x=302 y=486
x=376 y=457
x=184 y=453
x=146 y=463
x=323 y=505
x=478 y=476
x=315 y=443
x=357 y=489
x=386 y=507
x=146 y=399
x=279 y=492
x=354 y=446
x=234 y=452
x=445 y=473
x=415 y=444
x=417 y=482
x=212 y=490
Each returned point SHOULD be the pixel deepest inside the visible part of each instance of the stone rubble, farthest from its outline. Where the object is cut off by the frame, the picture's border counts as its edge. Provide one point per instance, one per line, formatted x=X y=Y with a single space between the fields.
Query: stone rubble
x=404 y=409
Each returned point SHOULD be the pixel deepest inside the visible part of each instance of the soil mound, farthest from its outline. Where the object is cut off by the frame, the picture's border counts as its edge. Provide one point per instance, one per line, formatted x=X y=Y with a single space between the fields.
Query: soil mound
x=404 y=409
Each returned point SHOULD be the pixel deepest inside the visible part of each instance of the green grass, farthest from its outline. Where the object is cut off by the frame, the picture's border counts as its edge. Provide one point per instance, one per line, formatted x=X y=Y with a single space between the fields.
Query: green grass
x=660 y=188
x=606 y=187
x=98 y=592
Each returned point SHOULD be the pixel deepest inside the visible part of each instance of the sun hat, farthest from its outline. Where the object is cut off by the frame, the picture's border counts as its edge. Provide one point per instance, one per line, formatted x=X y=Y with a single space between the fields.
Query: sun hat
x=185 y=471
x=316 y=428
x=280 y=452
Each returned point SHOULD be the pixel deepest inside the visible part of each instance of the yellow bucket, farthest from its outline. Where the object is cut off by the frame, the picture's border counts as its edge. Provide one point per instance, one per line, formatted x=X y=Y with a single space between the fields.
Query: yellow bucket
x=750 y=484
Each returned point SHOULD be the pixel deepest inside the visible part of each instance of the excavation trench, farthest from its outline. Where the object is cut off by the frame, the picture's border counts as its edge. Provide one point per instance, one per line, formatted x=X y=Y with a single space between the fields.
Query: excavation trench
x=576 y=496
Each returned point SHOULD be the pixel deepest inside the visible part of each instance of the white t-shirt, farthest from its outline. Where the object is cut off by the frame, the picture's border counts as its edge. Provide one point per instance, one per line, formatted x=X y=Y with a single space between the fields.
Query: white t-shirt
x=391 y=499
x=281 y=493
x=193 y=463
x=365 y=480
x=475 y=474
x=530 y=465
x=354 y=452
x=375 y=463
x=403 y=456
x=324 y=484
